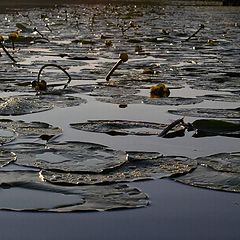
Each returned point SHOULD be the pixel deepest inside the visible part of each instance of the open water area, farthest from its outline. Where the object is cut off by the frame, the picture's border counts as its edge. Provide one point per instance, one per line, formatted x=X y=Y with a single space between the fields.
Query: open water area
x=150 y=151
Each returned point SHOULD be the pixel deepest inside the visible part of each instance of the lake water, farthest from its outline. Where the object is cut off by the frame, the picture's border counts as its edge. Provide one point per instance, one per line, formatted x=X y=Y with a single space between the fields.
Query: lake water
x=102 y=135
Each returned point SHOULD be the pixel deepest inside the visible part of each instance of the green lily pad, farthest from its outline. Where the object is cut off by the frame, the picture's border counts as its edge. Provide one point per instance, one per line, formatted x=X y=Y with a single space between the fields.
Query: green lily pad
x=32 y=194
x=41 y=130
x=68 y=156
x=207 y=112
x=140 y=166
x=120 y=127
x=211 y=127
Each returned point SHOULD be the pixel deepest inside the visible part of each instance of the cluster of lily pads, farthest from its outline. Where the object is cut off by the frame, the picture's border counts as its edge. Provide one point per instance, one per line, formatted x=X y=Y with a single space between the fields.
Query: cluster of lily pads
x=85 y=176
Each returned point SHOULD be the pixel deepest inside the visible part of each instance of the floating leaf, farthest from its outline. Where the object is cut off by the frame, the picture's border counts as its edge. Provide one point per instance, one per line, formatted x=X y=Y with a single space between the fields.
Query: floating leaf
x=68 y=156
x=219 y=171
x=208 y=178
x=31 y=194
x=140 y=166
x=32 y=129
x=209 y=127
x=19 y=105
x=207 y=112
x=136 y=99
x=6 y=158
x=224 y=162
x=7 y=135
x=120 y=127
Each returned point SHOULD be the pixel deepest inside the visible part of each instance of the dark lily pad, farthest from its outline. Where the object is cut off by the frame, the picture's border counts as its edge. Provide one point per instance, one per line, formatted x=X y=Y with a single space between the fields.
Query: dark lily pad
x=7 y=134
x=140 y=166
x=136 y=99
x=6 y=157
x=120 y=127
x=19 y=105
x=41 y=130
x=212 y=127
x=32 y=194
x=223 y=97
x=68 y=156
x=224 y=162
x=207 y=112
x=208 y=178
x=26 y=104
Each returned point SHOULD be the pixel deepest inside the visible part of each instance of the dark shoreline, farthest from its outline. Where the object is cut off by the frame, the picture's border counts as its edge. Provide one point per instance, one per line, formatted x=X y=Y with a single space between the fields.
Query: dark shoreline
x=47 y=3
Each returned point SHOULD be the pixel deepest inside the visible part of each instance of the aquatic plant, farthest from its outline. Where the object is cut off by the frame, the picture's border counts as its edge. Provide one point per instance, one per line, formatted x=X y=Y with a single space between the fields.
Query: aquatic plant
x=13 y=36
x=5 y=50
x=123 y=58
x=196 y=32
x=160 y=90
x=41 y=85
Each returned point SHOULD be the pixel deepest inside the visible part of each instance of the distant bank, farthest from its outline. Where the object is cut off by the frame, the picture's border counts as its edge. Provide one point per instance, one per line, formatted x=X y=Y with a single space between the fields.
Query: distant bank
x=29 y=3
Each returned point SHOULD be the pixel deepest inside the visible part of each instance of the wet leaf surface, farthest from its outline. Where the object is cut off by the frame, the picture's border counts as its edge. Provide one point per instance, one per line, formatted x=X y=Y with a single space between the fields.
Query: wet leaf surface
x=33 y=129
x=219 y=172
x=7 y=135
x=208 y=112
x=20 y=105
x=68 y=156
x=120 y=127
x=212 y=127
x=35 y=195
x=136 y=99
x=140 y=166
x=6 y=158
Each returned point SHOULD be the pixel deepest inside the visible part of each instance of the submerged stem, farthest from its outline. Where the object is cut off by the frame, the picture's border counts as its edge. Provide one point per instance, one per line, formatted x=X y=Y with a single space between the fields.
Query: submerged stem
x=170 y=127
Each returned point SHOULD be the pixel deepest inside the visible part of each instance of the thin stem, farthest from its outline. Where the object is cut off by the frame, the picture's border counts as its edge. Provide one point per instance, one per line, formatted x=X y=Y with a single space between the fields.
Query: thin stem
x=113 y=69
x=6 y=51
x=57 y=66
x=200 y=28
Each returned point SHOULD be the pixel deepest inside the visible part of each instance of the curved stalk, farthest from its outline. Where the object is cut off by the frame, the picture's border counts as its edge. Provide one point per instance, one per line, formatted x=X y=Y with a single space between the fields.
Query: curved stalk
x=57 y=66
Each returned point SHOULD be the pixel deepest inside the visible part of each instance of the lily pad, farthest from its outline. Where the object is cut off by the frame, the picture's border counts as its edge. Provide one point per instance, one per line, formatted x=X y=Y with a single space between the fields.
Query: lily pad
x=26 y=104
x=68 y=156
x=208 y=178
x=120 y=127
x=30 y=194
x=7 y=135
x=224 y=162
x=136 y=99
x=41 y=130
x=212 y=127
x=207 y=112
x=6 y=157
x=140 y=166
x=19 y=105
